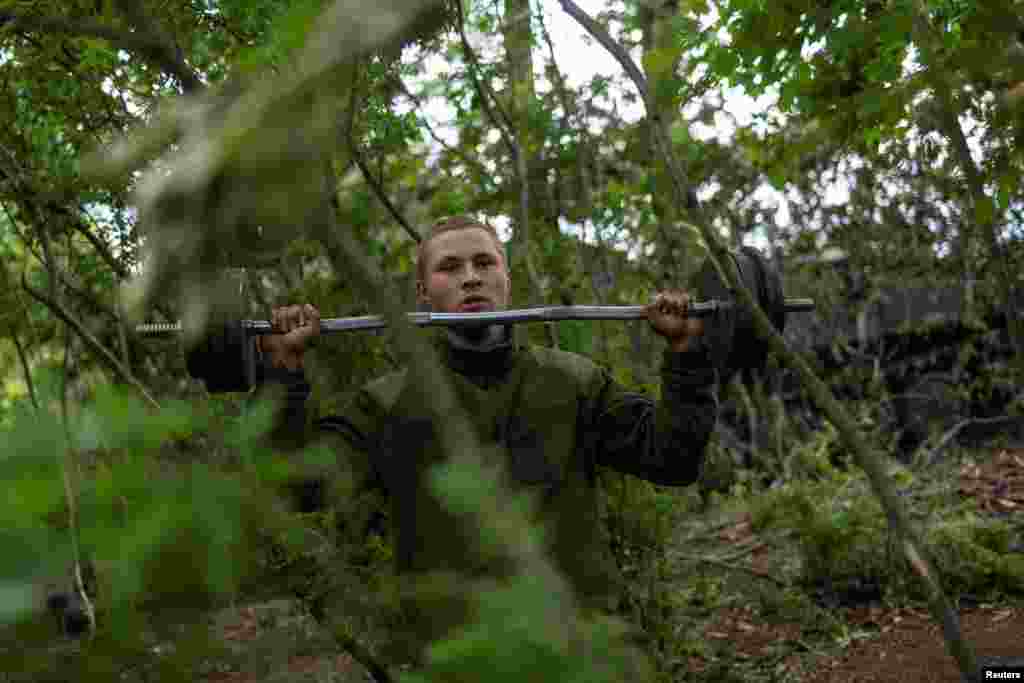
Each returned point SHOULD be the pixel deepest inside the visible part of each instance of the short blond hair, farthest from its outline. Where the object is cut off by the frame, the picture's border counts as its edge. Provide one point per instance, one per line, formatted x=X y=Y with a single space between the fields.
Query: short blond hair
x=447 y=225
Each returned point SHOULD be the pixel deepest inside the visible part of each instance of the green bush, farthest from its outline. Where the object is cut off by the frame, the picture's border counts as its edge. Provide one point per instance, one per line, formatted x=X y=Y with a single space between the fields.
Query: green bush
x=972 y=557
x=838 y=527
x=152 y=527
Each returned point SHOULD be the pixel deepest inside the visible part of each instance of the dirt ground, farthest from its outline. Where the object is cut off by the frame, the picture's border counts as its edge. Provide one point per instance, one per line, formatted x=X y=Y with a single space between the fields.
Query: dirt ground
x=894 y=645
x=889 y=646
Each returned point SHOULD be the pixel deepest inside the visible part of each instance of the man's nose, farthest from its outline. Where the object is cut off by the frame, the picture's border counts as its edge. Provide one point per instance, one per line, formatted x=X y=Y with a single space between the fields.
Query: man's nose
x=471 y=275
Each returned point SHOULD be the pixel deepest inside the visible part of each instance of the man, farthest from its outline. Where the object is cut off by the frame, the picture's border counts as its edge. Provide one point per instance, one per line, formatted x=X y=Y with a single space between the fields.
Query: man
x=557 y=414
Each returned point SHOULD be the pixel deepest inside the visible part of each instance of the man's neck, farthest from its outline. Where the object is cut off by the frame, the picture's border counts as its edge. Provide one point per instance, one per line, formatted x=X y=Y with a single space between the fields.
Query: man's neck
x=476 y=337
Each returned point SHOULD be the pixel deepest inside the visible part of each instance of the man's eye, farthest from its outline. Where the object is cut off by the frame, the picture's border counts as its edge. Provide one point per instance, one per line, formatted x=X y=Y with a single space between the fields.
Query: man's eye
x=448 y=266
x=484 y=264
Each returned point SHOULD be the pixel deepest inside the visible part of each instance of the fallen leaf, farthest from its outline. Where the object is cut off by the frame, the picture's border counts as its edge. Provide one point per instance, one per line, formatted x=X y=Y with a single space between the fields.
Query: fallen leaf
x=246 y=629
x=737 y=531
x=303 y=664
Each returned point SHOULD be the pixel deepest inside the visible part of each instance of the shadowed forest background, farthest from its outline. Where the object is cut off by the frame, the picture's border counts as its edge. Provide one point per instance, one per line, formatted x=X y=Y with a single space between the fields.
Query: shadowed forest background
x=207 y=160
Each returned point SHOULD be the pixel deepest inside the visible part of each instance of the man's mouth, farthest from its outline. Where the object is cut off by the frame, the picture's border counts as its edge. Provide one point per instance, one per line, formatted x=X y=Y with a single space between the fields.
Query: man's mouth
x=475 y=303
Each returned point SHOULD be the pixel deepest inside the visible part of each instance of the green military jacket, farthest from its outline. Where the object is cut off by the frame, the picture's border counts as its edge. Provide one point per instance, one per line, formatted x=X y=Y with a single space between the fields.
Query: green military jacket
x=559 y=417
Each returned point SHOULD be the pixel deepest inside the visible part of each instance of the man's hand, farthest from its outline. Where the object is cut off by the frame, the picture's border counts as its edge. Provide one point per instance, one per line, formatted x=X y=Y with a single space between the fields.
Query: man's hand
x=299 y=326
x=667 y=315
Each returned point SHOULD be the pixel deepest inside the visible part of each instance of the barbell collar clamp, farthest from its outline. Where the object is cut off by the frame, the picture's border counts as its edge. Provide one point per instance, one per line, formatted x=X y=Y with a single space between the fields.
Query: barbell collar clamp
x=699 y=309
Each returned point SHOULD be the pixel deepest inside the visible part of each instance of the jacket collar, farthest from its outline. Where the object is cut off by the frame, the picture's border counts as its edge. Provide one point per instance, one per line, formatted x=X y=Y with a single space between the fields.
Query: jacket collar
x=493 y=360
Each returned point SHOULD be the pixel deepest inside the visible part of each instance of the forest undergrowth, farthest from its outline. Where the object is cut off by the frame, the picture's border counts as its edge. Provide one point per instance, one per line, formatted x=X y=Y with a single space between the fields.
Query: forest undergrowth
x=199 y=567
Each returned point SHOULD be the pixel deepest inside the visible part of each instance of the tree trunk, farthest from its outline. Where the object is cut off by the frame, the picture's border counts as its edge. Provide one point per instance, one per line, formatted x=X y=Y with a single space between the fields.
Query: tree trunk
x=660 y=62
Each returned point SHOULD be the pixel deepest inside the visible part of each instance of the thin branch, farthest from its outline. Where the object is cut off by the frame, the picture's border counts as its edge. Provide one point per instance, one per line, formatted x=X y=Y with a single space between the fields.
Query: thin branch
x=928 y=457
x=378 y=190
x=94 y=345
x=25 y=368
x=140 y=42
x=500 y=120
x=732 y=566
x=362 y=655
x=608 y=43
x=948 y=117
x=357 y=156
x=676 y=173
x=86 y=296
x=505 y=126
x=101 y=248
x=454 y=151
x=71 y=466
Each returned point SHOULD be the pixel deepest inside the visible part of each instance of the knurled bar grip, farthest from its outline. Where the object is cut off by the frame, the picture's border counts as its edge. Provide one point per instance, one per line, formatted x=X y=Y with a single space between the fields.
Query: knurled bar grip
x=524 y=315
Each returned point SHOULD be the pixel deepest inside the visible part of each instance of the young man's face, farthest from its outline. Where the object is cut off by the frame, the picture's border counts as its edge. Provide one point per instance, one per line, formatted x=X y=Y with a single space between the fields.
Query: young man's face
x=465 y=273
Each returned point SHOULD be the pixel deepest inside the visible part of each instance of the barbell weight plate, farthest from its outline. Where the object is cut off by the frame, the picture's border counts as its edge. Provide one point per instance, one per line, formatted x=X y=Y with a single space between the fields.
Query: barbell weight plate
x=720 y=328
x=223 y=358
x=749 y=352
x=731 y=337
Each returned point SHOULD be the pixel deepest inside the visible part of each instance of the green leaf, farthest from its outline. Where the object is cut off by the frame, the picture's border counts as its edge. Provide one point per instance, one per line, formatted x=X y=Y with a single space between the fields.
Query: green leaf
x=723 y=62
x=29 y=550
x=658 y=63
x=984 y=211
x=872 y=137
x=16 y=600
x=576 y=336
x=871 y=103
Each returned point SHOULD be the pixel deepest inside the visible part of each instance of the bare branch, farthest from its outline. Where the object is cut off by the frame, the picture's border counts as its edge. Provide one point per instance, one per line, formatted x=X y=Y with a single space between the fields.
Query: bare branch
x=607 y=42
x=357 y=156
x=927 y=458
x=94 y=345
x=25 y=368
x=378 y=190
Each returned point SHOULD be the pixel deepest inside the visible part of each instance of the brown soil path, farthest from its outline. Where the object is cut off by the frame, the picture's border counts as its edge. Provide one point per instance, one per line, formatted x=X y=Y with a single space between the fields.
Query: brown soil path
x=886 y=646
x=913 y=650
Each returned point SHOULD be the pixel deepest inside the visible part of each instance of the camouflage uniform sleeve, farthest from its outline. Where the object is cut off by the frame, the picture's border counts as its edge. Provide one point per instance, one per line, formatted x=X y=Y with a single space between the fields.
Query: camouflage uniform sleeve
x=663 y=442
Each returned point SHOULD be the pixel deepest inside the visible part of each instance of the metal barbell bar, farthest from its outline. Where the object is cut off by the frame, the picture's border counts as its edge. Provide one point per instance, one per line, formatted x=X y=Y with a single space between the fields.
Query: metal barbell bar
x=730 y=338
x=699 y=309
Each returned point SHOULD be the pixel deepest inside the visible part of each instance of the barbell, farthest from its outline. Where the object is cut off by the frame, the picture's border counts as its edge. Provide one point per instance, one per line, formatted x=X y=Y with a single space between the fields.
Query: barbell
x=729 y=332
